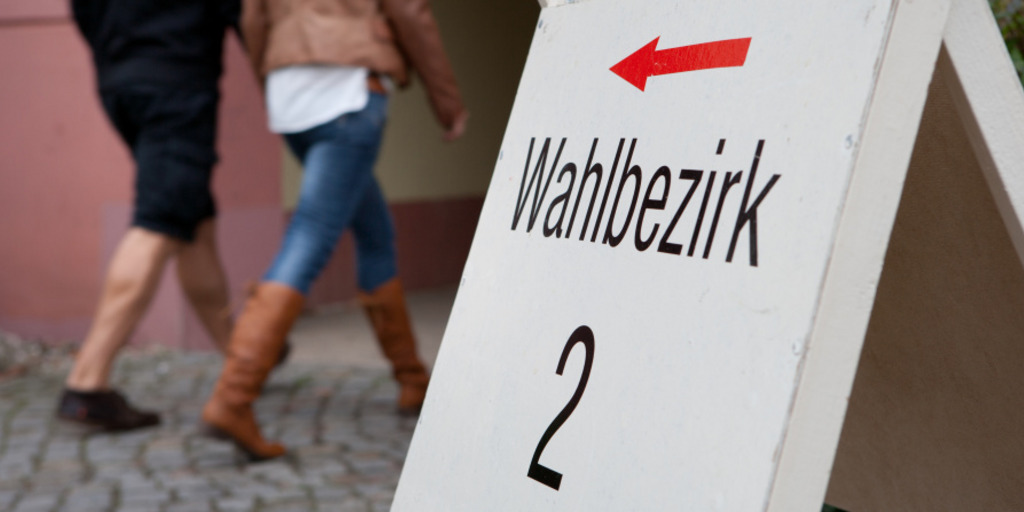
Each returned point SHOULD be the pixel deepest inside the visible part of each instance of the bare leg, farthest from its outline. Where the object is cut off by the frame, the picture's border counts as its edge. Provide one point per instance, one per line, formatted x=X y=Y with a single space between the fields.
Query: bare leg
x=131 y=282
x=205 y=284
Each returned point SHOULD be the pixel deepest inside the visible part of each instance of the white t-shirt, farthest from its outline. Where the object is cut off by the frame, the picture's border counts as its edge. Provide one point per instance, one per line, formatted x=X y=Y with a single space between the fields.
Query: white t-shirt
x=302 y=97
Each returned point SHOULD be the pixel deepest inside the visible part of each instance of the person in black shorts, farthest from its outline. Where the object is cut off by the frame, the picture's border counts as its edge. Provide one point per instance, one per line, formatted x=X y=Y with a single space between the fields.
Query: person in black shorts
x=158 y=63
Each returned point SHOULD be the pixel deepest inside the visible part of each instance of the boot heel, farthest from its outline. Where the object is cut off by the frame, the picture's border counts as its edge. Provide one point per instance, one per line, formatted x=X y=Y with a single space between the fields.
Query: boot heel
x=212 y=432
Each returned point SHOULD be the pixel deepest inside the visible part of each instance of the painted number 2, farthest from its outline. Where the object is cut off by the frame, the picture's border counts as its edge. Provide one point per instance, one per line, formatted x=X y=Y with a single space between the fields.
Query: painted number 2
x=548 y=476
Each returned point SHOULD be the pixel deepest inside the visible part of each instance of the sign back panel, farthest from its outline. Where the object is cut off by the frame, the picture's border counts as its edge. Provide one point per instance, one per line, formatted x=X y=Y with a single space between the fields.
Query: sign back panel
x=630 y=326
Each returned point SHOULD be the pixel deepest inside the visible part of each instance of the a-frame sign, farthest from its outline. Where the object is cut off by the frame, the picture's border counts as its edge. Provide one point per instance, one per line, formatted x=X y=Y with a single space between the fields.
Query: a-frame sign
x=680 y=259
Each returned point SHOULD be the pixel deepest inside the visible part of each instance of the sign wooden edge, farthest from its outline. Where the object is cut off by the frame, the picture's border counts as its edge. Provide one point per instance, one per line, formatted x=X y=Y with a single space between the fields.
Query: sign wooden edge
x=862 y=236
x=990 y=102
x=544 y=4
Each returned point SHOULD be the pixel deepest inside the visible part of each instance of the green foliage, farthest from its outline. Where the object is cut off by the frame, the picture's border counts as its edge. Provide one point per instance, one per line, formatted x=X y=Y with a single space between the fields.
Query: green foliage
x=1010 y=16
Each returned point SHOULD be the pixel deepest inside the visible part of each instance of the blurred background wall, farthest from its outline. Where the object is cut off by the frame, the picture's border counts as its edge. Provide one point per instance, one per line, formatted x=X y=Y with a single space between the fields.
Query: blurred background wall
x=66 y=179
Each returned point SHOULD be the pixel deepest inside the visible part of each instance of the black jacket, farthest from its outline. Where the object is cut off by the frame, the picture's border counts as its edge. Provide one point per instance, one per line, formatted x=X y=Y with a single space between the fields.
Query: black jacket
x=175 y=43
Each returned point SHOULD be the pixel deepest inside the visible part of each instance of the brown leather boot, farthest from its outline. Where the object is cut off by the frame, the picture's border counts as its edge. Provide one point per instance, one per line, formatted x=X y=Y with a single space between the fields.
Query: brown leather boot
x=255 y=347
x=386 y=310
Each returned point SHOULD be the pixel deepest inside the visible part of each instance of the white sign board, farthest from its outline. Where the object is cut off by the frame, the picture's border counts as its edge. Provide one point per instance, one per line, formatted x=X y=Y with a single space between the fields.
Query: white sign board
x=647 y=280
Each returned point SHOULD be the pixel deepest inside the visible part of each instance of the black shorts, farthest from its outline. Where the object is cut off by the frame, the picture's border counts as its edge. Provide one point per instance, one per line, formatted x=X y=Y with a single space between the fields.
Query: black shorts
x=171 y=134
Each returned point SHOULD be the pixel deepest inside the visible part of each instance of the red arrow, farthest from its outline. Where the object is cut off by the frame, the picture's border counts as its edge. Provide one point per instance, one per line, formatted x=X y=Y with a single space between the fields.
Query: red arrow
x=647 y=61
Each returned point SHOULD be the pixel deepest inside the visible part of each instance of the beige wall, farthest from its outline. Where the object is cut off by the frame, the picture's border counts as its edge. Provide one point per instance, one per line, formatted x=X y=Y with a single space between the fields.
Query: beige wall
x=487 y=42
x=934 y=420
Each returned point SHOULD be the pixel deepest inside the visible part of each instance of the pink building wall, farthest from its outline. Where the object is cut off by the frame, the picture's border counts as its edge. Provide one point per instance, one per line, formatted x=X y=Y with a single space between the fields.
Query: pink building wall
x=32 y=11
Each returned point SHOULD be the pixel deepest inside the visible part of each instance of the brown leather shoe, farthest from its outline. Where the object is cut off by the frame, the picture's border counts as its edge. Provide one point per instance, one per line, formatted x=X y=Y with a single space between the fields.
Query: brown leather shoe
x=255 y=348
x=386 y=309
x=106 y=409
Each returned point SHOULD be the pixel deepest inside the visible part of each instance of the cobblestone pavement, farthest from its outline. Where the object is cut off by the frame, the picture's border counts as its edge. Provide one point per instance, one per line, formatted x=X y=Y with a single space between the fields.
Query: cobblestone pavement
x=346 y=443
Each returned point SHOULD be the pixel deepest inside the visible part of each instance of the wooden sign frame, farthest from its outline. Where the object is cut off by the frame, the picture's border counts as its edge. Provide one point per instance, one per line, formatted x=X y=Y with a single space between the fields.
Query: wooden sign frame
x=952 y=41
x=974 y=94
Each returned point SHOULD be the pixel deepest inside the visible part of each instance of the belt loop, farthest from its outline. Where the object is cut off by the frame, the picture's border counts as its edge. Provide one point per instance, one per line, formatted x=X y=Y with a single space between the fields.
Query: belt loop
x=375 y=84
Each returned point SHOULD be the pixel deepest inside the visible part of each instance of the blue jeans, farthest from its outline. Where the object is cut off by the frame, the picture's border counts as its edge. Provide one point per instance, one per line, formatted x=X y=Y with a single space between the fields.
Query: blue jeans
x=338 y=191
